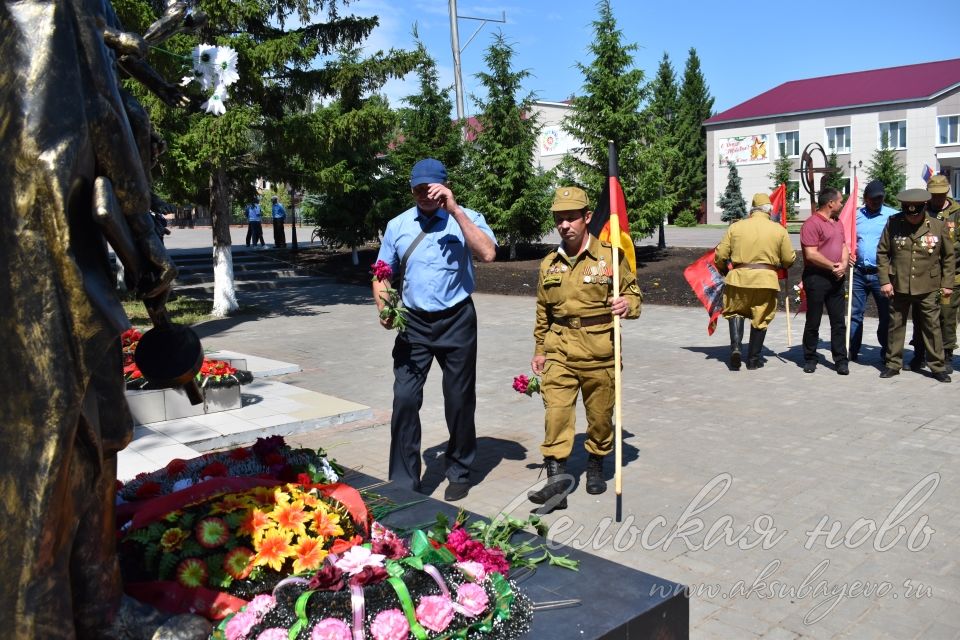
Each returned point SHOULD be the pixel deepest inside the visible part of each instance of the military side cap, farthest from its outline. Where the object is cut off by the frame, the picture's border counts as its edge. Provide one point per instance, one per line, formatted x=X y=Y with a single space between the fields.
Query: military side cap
x=569 y=199
x=938 y=184
x=759 y=200
x=913 y=200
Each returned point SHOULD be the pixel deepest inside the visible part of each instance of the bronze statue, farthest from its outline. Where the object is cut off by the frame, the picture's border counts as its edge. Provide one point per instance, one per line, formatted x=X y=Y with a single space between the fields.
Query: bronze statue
x=75 y=149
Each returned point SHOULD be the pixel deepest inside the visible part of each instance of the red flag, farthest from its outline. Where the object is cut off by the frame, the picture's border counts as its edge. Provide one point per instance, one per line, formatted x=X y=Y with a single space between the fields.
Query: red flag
x=801 y=298
x=707 y=283
x=612 y=201
x=848 y=219
x=779 y=201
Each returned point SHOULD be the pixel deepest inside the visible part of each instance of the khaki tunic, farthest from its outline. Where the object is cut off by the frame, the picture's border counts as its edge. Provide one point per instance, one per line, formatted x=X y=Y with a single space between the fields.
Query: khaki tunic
x=949 y=308
x=579 y=360
x=918 y=261
x=752 y=292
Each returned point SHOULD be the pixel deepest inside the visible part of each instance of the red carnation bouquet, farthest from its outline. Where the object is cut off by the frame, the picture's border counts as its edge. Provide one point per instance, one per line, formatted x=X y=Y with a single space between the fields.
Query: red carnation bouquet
x=525 y=385
x=393 y=308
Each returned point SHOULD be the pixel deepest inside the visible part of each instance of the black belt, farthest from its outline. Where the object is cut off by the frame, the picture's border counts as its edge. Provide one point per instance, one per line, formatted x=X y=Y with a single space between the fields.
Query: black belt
x=443 y=313
x=574 y=322
x=867 y=270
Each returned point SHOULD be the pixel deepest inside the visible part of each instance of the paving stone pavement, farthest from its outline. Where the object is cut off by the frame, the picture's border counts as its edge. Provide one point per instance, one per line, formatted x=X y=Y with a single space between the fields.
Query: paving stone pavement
x=728 y=476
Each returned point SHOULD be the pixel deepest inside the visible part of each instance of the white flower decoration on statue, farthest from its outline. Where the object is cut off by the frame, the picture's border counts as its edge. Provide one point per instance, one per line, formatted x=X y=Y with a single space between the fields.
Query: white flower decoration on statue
x=214 y=68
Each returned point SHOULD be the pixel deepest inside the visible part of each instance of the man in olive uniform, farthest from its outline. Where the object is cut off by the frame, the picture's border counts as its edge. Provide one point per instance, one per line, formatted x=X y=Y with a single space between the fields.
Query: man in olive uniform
x=757 y=247
x=916 y=267
x=574 y=343
x=945 y=208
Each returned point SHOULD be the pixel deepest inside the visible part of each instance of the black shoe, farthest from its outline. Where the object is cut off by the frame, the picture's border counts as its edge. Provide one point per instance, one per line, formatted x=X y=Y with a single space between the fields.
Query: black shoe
x=889 y=373
x=595 y=482
x=941 y=376
x=843 y=369
x=917 y=365
x=810 y=366
x=456 y=491
x=552 y=495
x=948 y=360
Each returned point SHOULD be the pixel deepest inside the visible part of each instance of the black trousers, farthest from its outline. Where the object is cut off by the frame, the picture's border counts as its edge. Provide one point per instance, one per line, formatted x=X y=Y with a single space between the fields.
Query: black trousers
x=255 y=231
x=450 y=337
x=279 y=236
x=824 y=291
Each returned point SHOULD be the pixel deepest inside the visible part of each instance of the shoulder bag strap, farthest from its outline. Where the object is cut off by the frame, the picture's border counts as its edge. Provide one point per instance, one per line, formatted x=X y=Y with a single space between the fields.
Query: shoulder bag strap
x=413 y=245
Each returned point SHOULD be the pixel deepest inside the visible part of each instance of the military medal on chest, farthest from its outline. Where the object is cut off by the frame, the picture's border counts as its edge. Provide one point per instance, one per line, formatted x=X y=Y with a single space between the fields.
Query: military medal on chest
x=930 y=242
x=901 y=241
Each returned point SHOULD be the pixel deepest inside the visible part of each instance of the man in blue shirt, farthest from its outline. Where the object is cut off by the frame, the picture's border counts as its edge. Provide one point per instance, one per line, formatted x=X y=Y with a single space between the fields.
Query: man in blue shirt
x=441 y=322
x=279 y=216
x=871 y=219
x=254 y=224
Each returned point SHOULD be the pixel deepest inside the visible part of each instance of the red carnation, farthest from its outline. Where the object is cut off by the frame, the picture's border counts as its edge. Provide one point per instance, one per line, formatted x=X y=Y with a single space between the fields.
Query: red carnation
x=329 y=578
x=214 y=470
x=240 y=454
x=369 y=575
x=149 y=489
x=176 y=466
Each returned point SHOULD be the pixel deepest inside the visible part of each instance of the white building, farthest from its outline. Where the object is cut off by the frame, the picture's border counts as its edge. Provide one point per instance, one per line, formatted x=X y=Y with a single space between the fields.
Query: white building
x=917 y=106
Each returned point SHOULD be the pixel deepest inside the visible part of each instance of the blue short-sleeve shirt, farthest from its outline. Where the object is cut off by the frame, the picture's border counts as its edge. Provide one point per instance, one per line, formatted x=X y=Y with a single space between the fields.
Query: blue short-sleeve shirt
x=440 y=270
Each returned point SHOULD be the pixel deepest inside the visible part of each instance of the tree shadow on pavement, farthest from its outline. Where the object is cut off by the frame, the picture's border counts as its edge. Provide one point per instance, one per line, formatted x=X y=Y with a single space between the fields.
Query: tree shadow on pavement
x=490 y=453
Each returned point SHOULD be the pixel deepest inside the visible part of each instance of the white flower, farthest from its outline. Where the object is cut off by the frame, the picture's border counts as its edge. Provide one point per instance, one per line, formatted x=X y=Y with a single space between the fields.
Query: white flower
x=182 y=483
x=204 y=65
x=185 y=80
x=328 y=471
x=226 y=66
x=214 y=103
x=356 y=558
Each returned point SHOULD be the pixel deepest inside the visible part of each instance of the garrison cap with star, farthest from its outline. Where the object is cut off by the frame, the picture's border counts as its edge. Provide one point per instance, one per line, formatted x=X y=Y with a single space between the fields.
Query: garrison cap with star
x=938 y=184
x=913 y=200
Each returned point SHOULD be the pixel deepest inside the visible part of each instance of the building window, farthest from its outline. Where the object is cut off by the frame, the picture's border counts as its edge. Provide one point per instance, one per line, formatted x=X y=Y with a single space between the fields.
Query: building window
x=789 y=143
x=838 y=139
x=896 y=135
x=948 y=128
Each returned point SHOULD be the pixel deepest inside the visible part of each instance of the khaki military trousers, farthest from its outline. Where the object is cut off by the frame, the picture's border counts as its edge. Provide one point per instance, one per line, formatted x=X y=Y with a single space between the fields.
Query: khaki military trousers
x=759 y=305
x=948 y=321
x=928 y=305
x=559 y=387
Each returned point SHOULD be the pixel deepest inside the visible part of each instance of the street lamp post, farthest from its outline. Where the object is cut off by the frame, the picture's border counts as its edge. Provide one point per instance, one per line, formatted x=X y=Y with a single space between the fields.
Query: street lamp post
x=457 y=50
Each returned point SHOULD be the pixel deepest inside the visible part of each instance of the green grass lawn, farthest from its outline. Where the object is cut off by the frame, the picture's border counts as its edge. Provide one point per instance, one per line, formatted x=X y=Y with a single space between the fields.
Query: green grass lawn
x=183 y=310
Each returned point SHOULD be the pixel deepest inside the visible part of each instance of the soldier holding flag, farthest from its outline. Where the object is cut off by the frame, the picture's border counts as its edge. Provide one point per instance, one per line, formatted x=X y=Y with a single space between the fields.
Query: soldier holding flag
x=574 y=350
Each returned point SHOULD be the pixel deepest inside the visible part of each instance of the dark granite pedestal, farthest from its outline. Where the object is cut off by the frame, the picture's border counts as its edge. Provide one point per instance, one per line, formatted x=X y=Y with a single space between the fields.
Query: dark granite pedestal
x=616 y=602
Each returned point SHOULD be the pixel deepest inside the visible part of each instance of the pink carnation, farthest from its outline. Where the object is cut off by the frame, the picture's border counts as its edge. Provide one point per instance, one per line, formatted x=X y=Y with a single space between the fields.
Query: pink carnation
x=240 y=625
x=261 y=604
x=357 y=558
x=520 y=383
x=381 y=271
x=330 y=629
x=274 y=633
x=390 y=625
x=473 y=570
x=472 y=599
x=435 y=612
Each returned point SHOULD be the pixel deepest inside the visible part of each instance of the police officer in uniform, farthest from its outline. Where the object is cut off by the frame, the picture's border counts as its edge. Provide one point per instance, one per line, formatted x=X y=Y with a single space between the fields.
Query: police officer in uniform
x=916 y=268
x=574 y=343
x=756 y=247
x=945 y=208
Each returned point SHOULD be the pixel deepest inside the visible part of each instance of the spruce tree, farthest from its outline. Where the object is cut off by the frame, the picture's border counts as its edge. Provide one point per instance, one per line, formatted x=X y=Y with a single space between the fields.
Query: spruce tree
x=783 y=174
x=695 y=106
x=500 y=179
x=731 y=203
x=614 y=92
x=660 y=160
x=886 y=167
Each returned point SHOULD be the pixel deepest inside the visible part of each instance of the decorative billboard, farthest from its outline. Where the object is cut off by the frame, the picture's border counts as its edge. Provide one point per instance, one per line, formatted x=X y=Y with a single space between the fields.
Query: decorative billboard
x=743 y=150
x=554 y=141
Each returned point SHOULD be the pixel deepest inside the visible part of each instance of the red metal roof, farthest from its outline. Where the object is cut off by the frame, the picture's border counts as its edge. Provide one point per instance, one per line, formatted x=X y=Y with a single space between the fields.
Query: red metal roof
x=861 y=88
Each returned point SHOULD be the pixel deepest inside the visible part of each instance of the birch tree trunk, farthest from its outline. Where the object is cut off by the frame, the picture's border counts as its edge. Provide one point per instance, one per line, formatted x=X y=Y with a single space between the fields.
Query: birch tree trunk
x=224 y=291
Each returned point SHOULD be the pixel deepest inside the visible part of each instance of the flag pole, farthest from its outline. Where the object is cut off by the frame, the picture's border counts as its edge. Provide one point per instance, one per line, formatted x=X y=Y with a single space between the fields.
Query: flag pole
x=618 y=404
x=849 y=307
x=786 y=300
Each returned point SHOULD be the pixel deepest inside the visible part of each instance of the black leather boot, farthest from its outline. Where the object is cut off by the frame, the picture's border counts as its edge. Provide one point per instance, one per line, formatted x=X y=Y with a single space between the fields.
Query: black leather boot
x=948 y=360
x=558 y=484
x=595 y=482
x=736 y=342
x=757 y=336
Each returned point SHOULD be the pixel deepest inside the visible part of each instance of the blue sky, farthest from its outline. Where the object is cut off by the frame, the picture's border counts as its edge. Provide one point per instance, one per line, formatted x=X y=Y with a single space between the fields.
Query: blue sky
x=745 y=46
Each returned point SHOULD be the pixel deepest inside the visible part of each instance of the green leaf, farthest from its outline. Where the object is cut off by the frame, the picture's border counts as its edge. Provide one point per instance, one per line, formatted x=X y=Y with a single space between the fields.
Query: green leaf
x=300 y=608
x=564 y=561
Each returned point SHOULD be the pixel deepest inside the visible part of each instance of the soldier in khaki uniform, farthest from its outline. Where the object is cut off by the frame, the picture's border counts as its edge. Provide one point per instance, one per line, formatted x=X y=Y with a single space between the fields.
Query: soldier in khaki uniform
x=574 y=343
x=757 y=247
x=945 y=208
x=916 y=267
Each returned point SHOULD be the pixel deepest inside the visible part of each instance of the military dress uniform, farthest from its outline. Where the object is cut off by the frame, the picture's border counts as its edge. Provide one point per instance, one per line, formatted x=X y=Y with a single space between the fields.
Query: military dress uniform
x=574 y=331
x=918 y=260
x=757 y=247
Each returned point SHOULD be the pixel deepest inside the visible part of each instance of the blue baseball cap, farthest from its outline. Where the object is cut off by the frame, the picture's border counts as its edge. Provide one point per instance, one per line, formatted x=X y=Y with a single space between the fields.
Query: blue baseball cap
x=427 y=171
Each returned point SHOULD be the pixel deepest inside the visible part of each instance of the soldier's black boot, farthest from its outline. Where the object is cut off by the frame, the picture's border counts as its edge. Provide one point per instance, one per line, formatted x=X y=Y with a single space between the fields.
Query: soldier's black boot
x=557 y=484
x=595 y=482
x=919 y=360
x=948 y=360
x=736 y=342
x=757 y=336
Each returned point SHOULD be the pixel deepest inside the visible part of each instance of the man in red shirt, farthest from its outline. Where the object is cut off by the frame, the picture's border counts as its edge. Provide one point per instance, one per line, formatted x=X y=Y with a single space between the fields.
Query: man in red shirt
x=825 y=256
